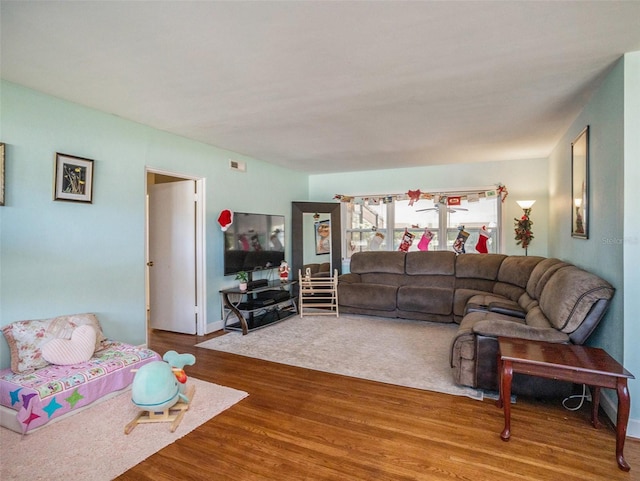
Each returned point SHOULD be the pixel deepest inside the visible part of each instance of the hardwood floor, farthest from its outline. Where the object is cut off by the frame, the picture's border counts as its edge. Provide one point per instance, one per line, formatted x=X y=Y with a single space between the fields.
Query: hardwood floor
x=298 y=424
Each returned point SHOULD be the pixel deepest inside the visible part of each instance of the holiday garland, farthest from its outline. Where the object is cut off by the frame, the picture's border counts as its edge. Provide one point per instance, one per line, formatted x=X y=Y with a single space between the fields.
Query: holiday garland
x=415 y=195
x=523 y=229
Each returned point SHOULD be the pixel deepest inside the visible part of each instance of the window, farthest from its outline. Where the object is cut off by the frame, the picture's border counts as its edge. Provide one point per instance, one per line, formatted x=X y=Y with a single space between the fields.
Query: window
x=375 y=225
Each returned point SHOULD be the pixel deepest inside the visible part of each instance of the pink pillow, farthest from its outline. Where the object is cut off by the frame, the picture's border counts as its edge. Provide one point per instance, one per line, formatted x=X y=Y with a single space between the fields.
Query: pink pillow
x=76 y=350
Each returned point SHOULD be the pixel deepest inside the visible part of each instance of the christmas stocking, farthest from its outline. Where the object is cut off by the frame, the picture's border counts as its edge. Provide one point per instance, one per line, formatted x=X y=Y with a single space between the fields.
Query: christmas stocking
x=423 y=245
x=458 y=245
x=376 y=241
x=407 y=240
x=481 y=246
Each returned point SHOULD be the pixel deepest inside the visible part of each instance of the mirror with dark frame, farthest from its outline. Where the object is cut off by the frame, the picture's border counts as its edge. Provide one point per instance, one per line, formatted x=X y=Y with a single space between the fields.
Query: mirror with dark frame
x=307 y=231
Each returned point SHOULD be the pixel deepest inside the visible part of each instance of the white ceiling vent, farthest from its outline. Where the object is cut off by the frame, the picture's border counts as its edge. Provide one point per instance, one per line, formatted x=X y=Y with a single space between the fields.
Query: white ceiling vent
x=238 y=165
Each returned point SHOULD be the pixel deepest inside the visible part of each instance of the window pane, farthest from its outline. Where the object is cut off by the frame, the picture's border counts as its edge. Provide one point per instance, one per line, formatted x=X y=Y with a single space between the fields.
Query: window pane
x=485 y=213
x=361 y=216
x=421 y=214
x=366 y=227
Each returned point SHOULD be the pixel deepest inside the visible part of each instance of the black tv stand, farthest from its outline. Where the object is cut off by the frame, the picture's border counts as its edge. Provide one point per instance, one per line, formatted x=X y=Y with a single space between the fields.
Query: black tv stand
x=258 y=307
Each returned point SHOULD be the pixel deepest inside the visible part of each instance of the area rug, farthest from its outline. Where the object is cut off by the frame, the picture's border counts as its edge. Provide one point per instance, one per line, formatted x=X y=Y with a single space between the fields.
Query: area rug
x=92 y=444
x=395 y=351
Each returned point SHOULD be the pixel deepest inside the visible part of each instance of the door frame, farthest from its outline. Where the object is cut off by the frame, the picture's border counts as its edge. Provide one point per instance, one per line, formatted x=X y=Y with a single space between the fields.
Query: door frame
x=200 y=247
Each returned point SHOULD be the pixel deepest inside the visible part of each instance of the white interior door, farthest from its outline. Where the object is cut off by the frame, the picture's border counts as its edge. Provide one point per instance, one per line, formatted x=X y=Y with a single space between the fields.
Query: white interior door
x=172 y=256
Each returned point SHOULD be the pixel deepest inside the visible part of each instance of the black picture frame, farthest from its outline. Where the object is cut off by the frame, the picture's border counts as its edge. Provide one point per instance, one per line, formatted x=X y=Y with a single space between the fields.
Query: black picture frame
x=580 y=185
x=73 y=179
x=2 y=149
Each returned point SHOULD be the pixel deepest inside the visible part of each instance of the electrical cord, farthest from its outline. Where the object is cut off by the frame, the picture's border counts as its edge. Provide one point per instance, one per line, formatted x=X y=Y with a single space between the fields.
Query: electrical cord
x=584 y=396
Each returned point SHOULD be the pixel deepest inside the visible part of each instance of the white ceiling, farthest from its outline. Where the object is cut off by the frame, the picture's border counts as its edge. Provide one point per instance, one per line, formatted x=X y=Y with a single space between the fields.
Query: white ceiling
x=326 y=86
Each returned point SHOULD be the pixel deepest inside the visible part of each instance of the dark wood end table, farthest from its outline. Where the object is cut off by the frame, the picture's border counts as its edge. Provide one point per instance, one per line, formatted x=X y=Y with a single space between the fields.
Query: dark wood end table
x=566 y=362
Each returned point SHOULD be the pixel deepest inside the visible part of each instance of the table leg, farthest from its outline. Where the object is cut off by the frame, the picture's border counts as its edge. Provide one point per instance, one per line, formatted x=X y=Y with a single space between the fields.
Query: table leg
x=237 y=313
x=595 y=405
x=499 y=401
x=621 y=423
x=506 y=376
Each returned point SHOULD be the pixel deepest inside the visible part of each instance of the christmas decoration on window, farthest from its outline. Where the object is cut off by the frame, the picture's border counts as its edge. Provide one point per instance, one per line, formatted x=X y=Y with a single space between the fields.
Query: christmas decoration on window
x=458 y=244
x=407 y=240
x=481 y=246
x=423 y=245
x=376 y=241
x=414 y=195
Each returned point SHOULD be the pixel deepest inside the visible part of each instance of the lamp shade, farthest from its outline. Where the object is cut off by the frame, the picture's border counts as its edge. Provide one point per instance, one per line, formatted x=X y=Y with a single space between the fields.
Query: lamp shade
x=526 y=204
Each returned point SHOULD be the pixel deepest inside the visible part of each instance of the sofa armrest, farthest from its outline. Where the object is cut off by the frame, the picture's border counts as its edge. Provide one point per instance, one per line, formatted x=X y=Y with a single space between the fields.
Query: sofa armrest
x=350 y=278
x=516 y=328
x=507 y=309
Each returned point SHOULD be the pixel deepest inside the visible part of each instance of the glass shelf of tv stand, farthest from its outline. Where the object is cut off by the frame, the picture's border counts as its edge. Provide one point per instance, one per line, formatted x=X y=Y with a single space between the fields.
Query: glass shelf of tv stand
x=252 y=311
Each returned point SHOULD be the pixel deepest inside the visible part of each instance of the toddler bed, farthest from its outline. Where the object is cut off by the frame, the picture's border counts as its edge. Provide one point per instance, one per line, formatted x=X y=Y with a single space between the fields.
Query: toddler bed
x=34 y=392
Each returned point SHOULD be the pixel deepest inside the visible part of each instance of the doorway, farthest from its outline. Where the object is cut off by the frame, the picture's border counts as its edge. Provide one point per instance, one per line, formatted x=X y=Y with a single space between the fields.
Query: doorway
x=175 y=280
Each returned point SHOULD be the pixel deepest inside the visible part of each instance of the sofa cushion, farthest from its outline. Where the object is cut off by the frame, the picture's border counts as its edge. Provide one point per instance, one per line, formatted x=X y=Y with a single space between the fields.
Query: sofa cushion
x=368 y=296
x=508 y=291
x=378 y=262
x=432 y=300
x=516 y=270
x=541 y=274
x=479 y=266
x=493 y=324
x=536 y=318
x=570 y=294
x=461 y=297
x=526 y=302
x=488 y=299
x=441 y=263
x=501 y=327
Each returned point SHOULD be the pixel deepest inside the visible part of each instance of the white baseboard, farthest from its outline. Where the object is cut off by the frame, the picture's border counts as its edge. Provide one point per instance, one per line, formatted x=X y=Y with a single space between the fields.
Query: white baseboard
x=609 y=404
x=214 y=326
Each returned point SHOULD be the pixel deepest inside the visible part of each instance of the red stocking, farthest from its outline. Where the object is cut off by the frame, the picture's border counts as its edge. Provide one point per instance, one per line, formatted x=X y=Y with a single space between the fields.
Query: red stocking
x=481 y=246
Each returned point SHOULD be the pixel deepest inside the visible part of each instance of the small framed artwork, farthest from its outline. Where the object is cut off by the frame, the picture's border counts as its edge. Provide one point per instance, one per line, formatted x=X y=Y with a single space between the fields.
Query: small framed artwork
x=323 y=237
x=580 y=185
x=1 y=173
x=73 y=178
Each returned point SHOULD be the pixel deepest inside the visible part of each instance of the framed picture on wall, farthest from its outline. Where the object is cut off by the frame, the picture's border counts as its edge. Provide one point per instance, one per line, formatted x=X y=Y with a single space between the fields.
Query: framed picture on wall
x=580 y=185
x=73 y=178
x=323 y=237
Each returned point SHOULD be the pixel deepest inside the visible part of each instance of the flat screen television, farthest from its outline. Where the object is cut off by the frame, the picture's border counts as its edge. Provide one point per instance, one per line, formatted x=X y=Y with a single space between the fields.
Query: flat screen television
x=253 y=242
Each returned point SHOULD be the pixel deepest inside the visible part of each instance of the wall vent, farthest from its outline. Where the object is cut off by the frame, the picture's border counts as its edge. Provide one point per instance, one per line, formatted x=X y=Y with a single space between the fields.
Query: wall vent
x=237 y=165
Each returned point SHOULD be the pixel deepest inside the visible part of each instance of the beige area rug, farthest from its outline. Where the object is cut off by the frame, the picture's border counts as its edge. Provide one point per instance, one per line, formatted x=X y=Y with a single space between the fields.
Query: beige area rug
x=91 y=445
x=394 y=351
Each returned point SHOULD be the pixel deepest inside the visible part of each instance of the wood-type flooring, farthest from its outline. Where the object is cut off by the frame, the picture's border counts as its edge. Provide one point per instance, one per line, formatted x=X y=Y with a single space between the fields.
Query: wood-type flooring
x=300 y=424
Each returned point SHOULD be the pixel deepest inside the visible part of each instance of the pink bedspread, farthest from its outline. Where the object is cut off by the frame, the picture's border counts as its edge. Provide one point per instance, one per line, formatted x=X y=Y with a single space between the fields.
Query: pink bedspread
x=52 y=391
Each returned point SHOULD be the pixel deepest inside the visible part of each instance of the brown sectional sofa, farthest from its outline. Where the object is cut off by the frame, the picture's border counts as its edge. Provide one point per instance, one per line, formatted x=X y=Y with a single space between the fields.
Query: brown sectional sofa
x=488 y=295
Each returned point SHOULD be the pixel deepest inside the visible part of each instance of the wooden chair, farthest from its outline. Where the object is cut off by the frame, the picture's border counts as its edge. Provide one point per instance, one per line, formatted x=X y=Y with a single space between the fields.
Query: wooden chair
x=320 y=294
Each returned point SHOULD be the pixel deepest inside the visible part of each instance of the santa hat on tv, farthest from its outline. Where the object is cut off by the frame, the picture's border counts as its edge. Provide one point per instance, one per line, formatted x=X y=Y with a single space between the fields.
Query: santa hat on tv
x=225 y=219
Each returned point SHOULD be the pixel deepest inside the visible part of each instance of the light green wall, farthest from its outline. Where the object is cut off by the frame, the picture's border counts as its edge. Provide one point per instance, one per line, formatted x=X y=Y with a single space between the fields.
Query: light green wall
x=524 y=179
x=631 y=254
x=65 y=257
x=602 y=252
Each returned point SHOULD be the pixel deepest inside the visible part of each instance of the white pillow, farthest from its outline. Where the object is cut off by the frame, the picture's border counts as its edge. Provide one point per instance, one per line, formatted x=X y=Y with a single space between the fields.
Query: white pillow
x=76 y=350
